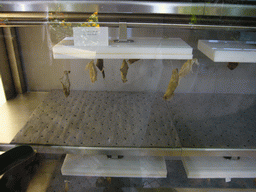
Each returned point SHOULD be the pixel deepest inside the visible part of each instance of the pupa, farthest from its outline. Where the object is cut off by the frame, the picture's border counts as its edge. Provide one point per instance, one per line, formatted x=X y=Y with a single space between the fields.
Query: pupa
x=124 y=70
x=187 y=67
x=99 y=64
x=131 y=61
x=232 y=65
x=65 y=83
x=92 y=70
x=172 y=85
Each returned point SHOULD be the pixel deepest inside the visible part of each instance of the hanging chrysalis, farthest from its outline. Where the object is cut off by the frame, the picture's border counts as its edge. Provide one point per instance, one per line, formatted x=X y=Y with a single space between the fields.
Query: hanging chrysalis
x=172 y=85
x=187 y=67
x=131 y=61
x=92 y=71
x=66 y=185
x=65 y=83
x=100 y=66
x=232 y=65
x=124 y=70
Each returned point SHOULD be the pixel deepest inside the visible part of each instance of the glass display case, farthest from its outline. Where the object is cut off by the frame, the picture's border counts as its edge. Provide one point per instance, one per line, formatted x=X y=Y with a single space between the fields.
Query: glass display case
x=133 y=89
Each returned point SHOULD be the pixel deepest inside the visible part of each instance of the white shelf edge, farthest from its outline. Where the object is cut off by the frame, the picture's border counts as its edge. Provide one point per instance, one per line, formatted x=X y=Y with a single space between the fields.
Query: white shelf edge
x=239 y=55
x=218 y=167
x=177 y=49
x=100 y=165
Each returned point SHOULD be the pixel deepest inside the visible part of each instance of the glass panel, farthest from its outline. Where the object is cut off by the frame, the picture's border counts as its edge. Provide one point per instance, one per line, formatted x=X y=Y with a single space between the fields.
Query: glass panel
x=172 y=81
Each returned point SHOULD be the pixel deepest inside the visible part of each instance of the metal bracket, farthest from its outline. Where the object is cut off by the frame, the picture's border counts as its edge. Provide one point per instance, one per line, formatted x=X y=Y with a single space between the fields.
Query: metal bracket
x=123 y=34
x=231 y=157
x=115 y=156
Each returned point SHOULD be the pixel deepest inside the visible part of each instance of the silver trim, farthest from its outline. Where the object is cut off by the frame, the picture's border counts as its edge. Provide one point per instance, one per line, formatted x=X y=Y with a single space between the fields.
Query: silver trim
x=218 y=152
x=138 y=25
x=157 y=13
x=167 y=152
x=229 y=10
x=14 y=60
x=134 y=7
x=101 y=150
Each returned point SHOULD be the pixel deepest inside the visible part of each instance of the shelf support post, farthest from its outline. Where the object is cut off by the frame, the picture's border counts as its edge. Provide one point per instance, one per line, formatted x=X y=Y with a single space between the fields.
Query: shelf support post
x=123 y=34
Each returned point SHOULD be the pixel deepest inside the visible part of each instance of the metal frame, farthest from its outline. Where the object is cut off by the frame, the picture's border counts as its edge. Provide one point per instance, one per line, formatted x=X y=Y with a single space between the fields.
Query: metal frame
x=166 y=152
x=134 y=13
x=139 y=25
x=33 y=13
x=103 y=7
x=14 y=60
x=128 y=7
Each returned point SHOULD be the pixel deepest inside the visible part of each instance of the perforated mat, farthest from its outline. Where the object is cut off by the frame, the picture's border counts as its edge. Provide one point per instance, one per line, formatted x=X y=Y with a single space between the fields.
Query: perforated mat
x=140 y=119
x=102 y=119
x=211 y=120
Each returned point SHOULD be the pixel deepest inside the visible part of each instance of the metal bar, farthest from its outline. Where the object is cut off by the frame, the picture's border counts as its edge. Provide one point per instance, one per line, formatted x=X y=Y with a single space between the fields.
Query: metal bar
x=101 y=150
x=146 y=19
x=218 y=152
x=122 y=31
x=24 y=16
x=14 y=60
x=188 y=26
x=5 y=71
x=134 y=18
x=138 y=25
x=130 y=7
x=229 y=10
x=167 y=152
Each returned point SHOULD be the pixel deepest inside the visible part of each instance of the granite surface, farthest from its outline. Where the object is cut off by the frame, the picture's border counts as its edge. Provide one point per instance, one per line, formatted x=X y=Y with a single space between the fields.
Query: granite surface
x=143 y=119
x=101 y=119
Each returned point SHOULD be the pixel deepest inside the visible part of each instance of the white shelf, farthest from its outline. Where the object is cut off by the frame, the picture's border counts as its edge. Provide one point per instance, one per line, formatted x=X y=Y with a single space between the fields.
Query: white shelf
x=219 y=167
x=229 y=51
x=141 y=48
x=100 y=165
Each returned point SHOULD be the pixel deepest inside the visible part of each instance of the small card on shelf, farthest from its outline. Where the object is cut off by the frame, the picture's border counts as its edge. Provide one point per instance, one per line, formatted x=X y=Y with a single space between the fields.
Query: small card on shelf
x=90 y=36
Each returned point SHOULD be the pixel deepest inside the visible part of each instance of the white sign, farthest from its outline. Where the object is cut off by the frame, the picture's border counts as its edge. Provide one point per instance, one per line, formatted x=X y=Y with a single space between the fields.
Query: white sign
x=90 y=36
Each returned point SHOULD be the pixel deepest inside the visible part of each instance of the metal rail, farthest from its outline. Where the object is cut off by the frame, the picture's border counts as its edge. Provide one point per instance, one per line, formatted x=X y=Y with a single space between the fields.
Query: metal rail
x=129 y=7
x=167 y=152
x=135 y=13
x=139 y=25
x=146 y=14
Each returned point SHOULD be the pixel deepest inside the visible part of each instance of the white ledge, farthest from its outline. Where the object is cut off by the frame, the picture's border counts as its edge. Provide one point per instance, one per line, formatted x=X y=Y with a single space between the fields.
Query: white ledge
x=229 y=51
x=141 y=48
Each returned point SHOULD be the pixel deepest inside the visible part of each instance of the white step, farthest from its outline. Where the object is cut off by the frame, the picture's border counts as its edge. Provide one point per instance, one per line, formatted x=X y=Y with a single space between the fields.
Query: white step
x=229 y=51
x=219 y=167
x=101 y=165
x=141 y=48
